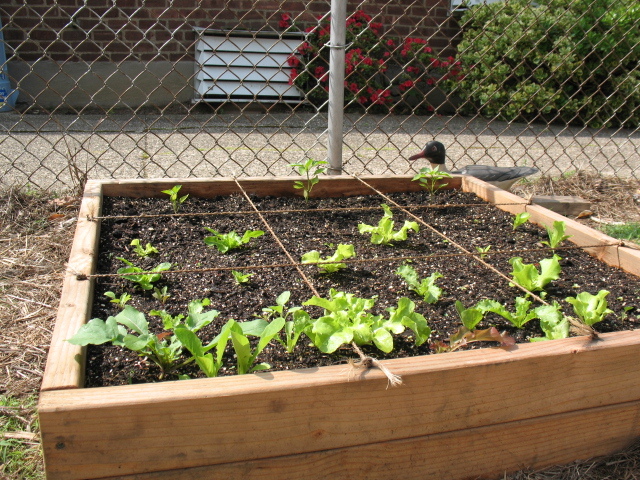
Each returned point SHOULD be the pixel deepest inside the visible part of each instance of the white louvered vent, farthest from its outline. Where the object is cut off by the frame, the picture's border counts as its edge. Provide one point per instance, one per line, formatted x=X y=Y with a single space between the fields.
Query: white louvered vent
x=245 y=66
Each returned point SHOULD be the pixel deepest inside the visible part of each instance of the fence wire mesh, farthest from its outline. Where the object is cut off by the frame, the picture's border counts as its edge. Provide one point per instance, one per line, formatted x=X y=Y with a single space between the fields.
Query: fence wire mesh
x=161 y=88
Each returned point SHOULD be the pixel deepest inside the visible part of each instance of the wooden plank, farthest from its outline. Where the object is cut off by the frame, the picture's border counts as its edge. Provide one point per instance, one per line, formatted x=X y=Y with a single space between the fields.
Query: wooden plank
x=65 y=362
x=91 y=433
x=338 y=186
x=603 y=247
x=485 y=452
x=562 y=204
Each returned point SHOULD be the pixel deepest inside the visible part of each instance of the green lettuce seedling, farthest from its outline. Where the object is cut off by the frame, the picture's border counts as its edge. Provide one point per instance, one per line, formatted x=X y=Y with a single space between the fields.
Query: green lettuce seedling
x=130 y=329
x=518 y=318
x=296 y=320
x=145 y=251
x=208 y=363
x=145 y=281
x=330 y=264
x=426 y=287
x=241 y=278
x=311 y=169
x=383 y=233
x=161 y=294
x=470 y=317
x=556 y=234
x=347 y=319
x=229 y=241
x=527 y=275
x=246 y=356
x=176 y=201
x=121 y=301
x=483 y=251
x=520 y=219
x=589 y=308
x=430 y=179
x=554 y=325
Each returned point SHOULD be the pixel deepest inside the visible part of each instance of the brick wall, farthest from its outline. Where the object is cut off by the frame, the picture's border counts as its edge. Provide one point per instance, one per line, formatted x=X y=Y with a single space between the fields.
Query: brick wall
x=148 y=30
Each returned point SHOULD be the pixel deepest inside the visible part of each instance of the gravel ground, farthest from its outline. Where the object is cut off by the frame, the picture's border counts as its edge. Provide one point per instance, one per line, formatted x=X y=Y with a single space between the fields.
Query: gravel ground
x=55 y=151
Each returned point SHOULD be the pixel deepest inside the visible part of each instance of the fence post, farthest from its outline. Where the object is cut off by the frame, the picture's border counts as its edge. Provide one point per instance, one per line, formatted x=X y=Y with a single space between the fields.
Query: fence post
x=336 y=84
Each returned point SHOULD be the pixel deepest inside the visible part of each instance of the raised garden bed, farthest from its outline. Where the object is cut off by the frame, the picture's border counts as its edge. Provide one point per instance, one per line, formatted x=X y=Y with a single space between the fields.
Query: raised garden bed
x=468 y=413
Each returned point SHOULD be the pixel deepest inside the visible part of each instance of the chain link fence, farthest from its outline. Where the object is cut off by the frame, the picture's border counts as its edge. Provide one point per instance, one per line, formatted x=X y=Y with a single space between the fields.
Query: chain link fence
x=179 y=88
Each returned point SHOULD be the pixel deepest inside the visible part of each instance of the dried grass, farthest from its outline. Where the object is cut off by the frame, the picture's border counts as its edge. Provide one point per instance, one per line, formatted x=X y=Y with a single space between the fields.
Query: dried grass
x=34 y=247
x=612 y=199
x=35 y=234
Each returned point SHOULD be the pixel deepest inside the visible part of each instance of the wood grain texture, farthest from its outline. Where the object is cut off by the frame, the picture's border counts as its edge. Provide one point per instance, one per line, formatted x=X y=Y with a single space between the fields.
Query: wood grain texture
x=476 y=453
x=65 y=362
x=91 y=433
x=329 y=186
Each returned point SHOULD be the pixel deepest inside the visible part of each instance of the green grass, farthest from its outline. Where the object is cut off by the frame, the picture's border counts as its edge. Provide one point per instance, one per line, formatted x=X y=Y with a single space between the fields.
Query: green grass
x=19 y=458
x=627 y=231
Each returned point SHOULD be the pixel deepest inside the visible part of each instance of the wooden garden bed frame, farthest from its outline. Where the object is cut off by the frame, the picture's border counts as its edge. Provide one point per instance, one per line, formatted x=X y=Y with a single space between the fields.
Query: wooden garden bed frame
x=474 y=413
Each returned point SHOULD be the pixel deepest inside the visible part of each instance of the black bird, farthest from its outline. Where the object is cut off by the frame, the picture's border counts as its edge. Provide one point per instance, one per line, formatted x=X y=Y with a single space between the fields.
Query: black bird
x=501 y=177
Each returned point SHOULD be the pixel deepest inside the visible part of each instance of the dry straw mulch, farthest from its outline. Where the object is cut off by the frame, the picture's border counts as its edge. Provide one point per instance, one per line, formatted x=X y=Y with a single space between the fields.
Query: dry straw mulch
x=36 y=231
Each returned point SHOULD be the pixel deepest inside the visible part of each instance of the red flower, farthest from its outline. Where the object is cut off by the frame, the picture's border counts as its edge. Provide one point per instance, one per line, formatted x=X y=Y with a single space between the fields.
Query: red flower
x=362 y=99
x=414 y=70
x=391 y=43
x=430 y=81
x=367 y=61
x=285 y=20
x=406 y=85
x=353 y=87
x=305 y=48
x=293 y=61
x=427 y=50
x=292 y=76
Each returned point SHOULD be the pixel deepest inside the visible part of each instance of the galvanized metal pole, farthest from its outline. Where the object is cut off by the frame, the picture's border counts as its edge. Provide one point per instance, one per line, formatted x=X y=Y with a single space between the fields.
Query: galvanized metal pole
x=336 y=84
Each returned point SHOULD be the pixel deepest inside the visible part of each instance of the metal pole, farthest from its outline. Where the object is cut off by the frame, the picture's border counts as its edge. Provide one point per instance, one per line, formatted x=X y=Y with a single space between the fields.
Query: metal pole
x=336 y=84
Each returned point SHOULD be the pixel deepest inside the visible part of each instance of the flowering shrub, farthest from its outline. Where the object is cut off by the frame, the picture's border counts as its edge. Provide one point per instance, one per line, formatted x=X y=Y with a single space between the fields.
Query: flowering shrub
x=381 y=73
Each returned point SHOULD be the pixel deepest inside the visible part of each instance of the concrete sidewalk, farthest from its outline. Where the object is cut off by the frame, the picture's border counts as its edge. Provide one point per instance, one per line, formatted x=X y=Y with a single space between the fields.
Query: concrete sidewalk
x=43 y=151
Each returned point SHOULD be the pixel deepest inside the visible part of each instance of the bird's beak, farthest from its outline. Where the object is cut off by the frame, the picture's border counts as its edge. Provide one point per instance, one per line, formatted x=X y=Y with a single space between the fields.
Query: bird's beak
x=417 y=156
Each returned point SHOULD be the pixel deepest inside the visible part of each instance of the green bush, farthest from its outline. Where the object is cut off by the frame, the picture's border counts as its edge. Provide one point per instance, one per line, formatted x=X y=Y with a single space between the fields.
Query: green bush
x=573 y=61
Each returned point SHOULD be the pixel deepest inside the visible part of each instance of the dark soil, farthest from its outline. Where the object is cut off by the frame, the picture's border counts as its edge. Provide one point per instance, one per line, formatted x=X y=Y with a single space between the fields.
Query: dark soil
x=179 y=240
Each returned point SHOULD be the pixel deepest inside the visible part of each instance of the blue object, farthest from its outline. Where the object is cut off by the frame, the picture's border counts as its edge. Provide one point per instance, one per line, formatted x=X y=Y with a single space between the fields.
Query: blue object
x=8 y=95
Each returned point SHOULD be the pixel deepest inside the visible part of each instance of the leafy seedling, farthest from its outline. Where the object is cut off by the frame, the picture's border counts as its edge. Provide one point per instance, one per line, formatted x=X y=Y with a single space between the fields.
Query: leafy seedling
x=556 y=234
x=310 y=169
x=176 y=201
x=121 y=301
x=522 y=314
x=383 y=233
x=332 y=263
x=347 y=319
x=296 y=320
x=208 y=363
x=470 y=317
x=589 y=308
x=483 y=251
x=430 y=179
x=246 y=356
x=161 y=294
x=130 y=329
x=554 y=325
x=426 y=287
x=145 y=251
x=225 y=242
x=520 y=219
x=144 y=280
x=527 y=275
x=241 y=278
